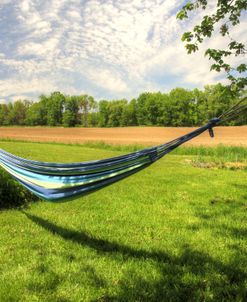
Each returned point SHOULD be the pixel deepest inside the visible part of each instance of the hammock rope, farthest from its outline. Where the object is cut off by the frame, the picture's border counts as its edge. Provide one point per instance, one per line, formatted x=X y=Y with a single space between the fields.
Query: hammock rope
x=234 y=111
x=60 y=181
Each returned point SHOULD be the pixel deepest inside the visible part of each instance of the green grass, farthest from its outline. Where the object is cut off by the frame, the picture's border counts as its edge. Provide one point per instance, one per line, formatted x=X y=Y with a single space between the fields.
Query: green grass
x=172 y=232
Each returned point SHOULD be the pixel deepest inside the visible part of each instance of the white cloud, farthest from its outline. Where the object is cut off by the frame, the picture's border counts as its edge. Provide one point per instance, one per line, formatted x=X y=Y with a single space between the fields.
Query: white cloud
x=114 y=48
x=106 y=79
x=4 y=2
x=23 y=87
x=25 y=5
x=15 y=98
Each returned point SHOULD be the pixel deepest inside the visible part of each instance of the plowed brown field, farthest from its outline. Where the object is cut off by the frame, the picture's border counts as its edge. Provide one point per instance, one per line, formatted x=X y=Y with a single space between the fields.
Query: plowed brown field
x=128 y=135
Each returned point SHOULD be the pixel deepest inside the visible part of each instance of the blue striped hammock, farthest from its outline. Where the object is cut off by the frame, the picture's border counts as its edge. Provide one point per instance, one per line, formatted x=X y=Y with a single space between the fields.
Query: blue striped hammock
x=59 y=182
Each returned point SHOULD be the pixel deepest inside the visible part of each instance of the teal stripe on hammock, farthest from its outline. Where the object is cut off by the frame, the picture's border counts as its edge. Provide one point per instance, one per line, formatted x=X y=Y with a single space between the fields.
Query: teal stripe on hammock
x=68 y=181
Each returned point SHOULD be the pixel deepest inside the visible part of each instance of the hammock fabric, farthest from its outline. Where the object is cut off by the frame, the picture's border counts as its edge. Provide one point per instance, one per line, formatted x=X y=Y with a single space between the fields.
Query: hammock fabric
x=58 y=182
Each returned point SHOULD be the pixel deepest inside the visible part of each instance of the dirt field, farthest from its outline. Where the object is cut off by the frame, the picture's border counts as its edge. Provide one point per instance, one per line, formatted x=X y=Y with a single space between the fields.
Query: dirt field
x=128 y=135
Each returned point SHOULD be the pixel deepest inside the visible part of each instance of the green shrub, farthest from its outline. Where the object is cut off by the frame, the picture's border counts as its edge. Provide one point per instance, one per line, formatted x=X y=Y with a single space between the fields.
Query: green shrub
x=12 y=194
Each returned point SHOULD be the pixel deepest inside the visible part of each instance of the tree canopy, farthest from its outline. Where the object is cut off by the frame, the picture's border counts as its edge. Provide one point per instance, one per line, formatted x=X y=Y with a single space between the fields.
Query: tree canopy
x=179 y=107
x=226 y=15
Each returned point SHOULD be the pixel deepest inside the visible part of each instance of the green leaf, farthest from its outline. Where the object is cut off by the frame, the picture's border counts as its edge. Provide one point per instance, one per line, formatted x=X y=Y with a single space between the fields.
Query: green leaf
x=242 y=68
x=191 y=48
x=187 y=36
x=224 y=30
x=182 y=15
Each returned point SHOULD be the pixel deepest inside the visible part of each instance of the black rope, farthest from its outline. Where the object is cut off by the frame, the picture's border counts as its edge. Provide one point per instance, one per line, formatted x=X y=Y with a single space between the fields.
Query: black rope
x=234 y=111
x=232 y=108
x=237 y=111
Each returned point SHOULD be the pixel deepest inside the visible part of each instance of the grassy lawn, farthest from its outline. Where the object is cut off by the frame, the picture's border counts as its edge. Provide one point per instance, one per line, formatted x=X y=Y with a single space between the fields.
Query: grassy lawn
x=172 y=232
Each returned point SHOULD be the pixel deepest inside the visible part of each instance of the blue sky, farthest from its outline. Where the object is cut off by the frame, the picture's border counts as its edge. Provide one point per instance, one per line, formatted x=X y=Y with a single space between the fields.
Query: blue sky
x=108 y=49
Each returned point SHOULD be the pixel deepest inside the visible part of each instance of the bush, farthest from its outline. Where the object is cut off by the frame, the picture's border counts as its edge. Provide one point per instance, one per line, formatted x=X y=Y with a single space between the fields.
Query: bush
x=12 y=194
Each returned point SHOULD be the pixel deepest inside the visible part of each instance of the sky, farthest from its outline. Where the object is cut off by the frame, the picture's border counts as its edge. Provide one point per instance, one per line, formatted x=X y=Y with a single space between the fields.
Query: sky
x=105 y=48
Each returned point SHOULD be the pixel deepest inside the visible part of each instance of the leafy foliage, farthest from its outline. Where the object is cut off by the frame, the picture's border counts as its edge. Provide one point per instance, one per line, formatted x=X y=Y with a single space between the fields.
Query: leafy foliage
x=12 y=194
x=70 y=115
x=227 y=15
x=179 y=107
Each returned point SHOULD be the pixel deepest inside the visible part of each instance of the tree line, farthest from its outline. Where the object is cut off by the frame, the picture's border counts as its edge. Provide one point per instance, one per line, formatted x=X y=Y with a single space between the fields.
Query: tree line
x=179 y=107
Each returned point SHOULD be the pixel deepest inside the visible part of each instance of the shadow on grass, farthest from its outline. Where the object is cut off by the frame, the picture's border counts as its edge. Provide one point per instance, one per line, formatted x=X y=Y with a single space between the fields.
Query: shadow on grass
x=190 y=276
x=244 y=189
x=101 y=245
x=234 y=209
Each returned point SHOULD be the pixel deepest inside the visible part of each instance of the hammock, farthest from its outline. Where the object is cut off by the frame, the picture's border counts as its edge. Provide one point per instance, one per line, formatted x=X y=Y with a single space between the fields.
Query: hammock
x=59 y=182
